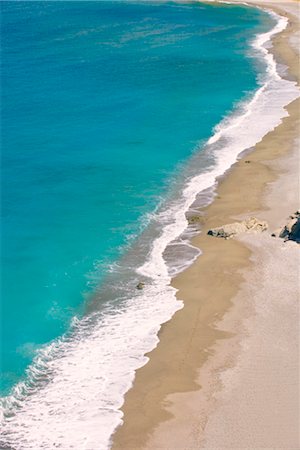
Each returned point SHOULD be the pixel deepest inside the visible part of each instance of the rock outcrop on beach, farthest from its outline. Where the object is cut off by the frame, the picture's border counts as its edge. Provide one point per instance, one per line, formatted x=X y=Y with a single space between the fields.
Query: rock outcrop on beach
x=232 y=229
x=291 y=230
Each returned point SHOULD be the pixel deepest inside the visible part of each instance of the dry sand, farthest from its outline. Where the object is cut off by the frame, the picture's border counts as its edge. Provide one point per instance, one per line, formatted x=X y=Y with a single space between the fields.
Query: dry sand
x=224 y=374
x=257 y=404
x=250 y=393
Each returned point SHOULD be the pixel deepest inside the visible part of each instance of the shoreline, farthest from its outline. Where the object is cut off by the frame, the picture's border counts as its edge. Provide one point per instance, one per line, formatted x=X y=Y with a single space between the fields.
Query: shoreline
x=159 y=406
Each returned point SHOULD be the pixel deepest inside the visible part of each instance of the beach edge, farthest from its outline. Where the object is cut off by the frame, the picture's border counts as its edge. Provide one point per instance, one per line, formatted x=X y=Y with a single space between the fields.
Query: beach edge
x=157 y=396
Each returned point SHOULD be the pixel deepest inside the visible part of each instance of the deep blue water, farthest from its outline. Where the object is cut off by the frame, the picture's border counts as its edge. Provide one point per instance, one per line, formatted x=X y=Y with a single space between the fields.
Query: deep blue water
x=101 y=103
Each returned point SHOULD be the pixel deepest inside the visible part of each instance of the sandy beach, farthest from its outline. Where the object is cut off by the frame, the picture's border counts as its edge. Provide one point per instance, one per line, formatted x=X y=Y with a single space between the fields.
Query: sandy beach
x=226 y=371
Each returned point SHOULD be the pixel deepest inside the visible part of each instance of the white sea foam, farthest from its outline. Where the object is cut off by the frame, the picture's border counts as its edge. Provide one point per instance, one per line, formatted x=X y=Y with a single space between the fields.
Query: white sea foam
x=90 y=374
x=91 y=369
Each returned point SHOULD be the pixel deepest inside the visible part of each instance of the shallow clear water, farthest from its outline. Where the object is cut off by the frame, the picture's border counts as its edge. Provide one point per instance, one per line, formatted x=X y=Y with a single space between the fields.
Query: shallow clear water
x=101 y=102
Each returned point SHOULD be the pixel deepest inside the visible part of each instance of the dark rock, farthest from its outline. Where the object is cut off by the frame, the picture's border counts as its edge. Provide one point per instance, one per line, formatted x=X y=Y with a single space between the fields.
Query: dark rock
x=291 y=230
x=288 y=227
x=295 y=231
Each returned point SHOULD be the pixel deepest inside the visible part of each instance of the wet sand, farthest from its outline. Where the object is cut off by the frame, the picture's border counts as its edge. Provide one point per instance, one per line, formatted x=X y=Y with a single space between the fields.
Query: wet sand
x=178 y=399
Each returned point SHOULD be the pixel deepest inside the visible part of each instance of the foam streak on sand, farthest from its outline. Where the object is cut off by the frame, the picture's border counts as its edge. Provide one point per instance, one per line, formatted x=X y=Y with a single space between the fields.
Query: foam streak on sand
x=89 y=371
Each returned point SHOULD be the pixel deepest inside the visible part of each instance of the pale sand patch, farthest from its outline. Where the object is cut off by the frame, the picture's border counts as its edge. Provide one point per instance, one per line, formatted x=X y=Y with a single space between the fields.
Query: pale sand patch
x=281 y=197
x=258 y=404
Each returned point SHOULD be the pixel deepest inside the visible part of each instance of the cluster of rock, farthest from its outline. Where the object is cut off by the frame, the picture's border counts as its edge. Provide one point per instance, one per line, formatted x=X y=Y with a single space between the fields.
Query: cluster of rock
x=232 y=229
x=291 y=230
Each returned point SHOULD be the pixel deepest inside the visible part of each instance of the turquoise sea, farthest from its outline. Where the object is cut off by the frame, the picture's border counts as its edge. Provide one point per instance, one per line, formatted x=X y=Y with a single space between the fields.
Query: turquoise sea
x=106 y=108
